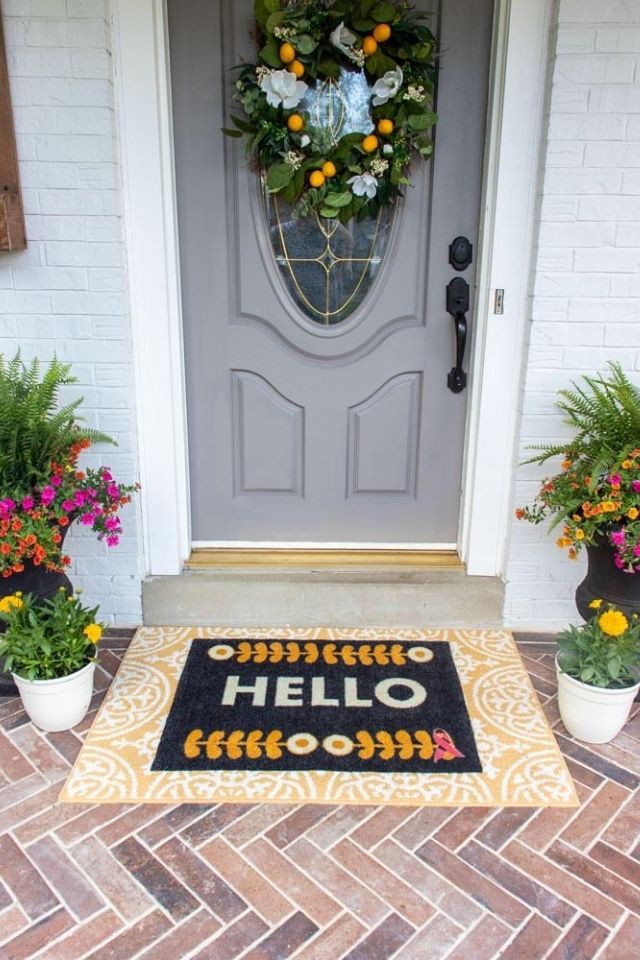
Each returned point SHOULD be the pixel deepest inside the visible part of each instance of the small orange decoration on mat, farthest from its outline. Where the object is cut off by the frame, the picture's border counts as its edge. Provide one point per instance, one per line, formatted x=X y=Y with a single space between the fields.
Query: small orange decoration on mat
x=370 y=143
x=382 y=32
x=385 y=127
x=287 y=53
x=297 y=68
x=329 y=169
x=317 y=179
x=295 y=123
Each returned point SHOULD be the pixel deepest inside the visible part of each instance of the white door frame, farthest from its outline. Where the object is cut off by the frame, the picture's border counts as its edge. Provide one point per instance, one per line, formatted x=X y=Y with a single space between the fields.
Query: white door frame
x=143 y=106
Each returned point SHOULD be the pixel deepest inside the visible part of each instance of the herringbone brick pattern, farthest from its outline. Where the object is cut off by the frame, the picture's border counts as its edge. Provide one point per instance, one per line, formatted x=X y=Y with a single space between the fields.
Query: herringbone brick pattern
x=314 y=882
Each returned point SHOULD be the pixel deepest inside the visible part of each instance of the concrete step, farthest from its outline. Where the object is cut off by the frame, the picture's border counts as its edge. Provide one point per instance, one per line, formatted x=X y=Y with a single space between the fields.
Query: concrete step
x=381 y=597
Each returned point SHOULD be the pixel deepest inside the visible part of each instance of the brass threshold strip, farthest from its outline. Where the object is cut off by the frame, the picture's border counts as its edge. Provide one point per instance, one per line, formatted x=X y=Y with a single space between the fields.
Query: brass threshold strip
x=209 y=557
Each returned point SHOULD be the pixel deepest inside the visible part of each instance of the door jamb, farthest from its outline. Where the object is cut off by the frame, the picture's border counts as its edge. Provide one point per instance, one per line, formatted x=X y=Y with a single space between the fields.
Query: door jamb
x=143 y=107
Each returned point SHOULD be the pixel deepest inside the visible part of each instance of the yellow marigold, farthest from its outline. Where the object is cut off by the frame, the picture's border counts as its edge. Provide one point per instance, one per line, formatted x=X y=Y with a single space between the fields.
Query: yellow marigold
x=613 y=623
x=595 y=604
x=13 y=601
x=93 y=632
x=633 y=513
x=563 y=542
x=626 y=464
x=579 y=534
x=608 y=506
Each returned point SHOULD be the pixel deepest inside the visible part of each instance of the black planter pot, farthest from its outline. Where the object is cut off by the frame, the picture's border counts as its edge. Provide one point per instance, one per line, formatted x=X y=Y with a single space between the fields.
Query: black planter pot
x=604 y=581
x=39 y=581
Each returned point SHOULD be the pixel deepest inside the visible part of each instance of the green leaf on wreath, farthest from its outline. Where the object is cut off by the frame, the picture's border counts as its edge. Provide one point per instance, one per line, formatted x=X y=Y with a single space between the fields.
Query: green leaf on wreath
x=231 y=133
x=329 y=68
x=421 y=121
x=383 y=12
x=305 y=44
x=364 y=24
x=270 y=55
x=279 y=175
x=328 y=212
x=339 y=199
x=275 y=20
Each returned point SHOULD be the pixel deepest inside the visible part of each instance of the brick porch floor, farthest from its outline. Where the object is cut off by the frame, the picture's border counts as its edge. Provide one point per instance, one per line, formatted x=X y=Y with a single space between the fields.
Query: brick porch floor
x=312 y=882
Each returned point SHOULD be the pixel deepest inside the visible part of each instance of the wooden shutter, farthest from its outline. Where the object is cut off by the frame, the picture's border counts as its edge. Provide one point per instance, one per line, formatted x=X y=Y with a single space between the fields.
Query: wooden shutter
x=12 y=232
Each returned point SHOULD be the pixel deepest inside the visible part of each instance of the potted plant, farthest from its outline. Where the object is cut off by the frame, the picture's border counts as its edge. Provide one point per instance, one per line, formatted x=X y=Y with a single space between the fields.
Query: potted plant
x=51 y=648
x=42 y=491
x=598 y=669
x=596 y=495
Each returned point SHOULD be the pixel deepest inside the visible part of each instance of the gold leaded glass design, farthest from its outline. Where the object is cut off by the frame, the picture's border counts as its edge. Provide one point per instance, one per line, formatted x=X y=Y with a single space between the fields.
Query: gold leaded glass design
x=328 y=267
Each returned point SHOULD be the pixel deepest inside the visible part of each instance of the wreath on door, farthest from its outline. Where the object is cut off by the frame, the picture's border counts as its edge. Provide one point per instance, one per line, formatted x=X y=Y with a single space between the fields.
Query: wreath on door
x=305 y=47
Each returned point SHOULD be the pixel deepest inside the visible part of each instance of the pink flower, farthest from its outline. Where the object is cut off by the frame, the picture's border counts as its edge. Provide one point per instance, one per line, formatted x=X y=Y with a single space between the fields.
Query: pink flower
x=80 y=498
x=7 y=505
x=88 y=519
x=68 y=506
x=56 y=481
x=28 y=503
x=106 y=474
x=48 y=495
x=92 y=493
x=113 y=540
x=635 y=486
x=615 y=480
x=619 y=562
x=618 y=538
x=113 y=491
x=636 y=550
x=112 y=524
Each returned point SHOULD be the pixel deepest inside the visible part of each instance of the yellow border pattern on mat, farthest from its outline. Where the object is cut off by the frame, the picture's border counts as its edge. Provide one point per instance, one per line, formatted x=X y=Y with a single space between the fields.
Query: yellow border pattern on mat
x=522 y=765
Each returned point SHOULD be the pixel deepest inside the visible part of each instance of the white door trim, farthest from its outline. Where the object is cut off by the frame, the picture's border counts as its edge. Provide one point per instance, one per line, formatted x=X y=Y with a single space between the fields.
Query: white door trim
x=511 y=180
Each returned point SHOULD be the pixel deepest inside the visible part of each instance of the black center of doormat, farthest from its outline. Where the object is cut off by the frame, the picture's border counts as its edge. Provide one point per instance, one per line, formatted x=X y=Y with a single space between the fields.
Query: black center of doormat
x=384 y=707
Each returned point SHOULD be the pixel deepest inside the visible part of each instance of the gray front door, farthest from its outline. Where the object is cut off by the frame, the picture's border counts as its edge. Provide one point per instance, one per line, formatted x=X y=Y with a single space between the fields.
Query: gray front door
x=318 y=407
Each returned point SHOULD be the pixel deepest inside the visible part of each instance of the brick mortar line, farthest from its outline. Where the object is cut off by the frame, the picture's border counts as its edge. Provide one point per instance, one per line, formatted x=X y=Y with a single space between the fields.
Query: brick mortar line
x=602 y=952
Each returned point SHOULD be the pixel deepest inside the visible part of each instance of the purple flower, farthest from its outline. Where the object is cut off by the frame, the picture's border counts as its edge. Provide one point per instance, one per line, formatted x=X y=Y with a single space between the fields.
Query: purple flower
x=7 y=505
x=28 y=503
x=48 y=495
x=88 y=519
x=113 y=540
x=635 y=486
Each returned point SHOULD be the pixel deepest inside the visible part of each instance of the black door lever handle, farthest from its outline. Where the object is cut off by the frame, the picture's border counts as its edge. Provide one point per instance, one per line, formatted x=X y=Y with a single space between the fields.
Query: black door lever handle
x=458 y=306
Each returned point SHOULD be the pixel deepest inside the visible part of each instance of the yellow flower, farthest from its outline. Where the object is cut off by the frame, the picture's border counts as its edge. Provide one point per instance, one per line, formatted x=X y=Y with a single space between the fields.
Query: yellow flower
x=7 y=602
x=93 y=632
x=627 y=464
x=595 y=604
x=613 y=623
x=579 y=534
x=632 y=513
x=608 y=506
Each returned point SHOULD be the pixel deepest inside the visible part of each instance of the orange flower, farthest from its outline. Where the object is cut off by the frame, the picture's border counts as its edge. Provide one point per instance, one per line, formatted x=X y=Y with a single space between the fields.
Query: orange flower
x=30 y=539
x=608 y=506
x=633 y=513
x=519 y=513
x=626 y=464
x=572 y=554
x=5 y=549
x=566 y=464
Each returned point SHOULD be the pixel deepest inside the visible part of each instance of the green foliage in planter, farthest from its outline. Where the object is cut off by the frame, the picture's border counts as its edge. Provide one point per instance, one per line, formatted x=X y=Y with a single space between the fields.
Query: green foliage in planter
x=605 y=414
x=33 y=430
x=605 y=652
x=50 y=639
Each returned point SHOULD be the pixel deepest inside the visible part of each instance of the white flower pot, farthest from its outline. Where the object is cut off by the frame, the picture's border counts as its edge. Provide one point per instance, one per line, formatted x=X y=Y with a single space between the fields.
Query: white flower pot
x=593 y=714
x=58 y=704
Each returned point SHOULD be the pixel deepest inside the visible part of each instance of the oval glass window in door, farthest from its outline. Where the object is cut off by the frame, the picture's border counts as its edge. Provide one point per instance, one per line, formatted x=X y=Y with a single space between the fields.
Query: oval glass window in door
x=326 y=266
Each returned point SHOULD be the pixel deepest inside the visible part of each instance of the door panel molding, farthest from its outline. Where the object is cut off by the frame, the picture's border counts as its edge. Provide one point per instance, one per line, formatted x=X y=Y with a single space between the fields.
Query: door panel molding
x=520 y=51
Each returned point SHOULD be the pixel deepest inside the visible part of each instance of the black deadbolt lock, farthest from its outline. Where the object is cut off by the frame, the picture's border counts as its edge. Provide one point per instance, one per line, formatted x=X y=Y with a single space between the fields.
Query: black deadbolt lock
x=460 y=253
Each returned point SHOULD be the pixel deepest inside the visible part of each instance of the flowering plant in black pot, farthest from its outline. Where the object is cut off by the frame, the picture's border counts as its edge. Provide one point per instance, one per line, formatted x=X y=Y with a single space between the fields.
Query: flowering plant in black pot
x=595 y=497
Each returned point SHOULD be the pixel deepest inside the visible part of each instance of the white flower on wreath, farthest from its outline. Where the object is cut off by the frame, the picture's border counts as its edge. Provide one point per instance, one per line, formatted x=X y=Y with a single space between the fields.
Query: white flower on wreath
x=282 y=87
x=363 y=185
x=387 y=86
x=343 y=40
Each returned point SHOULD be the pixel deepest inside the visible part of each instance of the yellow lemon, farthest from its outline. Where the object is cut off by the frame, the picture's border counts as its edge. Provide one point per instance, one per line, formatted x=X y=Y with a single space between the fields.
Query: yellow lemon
x=287 y=53
x=370 y=143
x=296 y=68
x=329 y=169
x=295 y=123
x=317 y=178
x=385 y=127
x=382 y=32
x=369 y=45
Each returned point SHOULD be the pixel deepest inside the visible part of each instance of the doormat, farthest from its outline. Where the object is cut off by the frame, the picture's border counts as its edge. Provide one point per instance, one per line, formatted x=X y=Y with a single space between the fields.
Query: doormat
x=382 y=716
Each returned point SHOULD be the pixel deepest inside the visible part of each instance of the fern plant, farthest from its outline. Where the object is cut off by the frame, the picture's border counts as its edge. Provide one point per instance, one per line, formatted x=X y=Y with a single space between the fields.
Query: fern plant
x=605 y=413
x=34 y=430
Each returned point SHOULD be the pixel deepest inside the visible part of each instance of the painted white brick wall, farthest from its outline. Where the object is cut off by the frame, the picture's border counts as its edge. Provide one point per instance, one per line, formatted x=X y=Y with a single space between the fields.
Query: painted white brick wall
x=66 y=294
x=586 y=291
